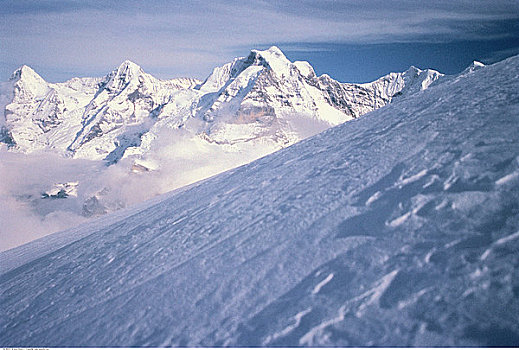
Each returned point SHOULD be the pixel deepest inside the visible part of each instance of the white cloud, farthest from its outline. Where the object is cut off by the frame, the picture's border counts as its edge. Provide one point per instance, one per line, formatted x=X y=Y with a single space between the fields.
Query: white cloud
x=182 y=158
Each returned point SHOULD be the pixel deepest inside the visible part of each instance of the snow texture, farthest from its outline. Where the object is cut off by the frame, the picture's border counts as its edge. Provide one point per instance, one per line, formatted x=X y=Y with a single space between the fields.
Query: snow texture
x=399 y=228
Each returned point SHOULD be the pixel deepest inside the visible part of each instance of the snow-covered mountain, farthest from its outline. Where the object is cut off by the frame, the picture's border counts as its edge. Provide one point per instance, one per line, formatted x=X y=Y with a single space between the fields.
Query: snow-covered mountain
x=158 y=135
x=259 y=98
x=85 y=117
x=400 y=228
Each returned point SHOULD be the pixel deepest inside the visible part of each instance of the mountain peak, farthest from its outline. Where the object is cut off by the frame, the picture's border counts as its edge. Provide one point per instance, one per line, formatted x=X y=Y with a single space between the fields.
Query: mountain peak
x=275 y=51
x=271 y=58
x=123 y=74
x=26 y=73
x=274 y=58
x=127 y=64
x=412 y=71
x=271 y=53
x=28 y=83
x=304 y=68
x=129 y=68
x=474 y=66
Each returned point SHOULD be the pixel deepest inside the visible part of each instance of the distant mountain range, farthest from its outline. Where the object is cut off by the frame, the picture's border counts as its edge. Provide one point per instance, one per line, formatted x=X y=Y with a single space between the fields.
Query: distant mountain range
x=262 y=98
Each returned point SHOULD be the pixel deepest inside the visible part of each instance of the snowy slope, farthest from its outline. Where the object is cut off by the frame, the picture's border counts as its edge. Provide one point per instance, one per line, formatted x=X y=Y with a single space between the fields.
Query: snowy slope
x=400 y=228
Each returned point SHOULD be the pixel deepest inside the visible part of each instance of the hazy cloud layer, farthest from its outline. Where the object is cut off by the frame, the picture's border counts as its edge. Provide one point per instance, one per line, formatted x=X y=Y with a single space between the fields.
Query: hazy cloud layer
x=62 y=38
x=181 y=158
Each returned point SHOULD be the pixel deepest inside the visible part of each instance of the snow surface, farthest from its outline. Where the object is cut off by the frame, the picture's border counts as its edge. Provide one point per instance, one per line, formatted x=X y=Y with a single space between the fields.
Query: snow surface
x=399 y=228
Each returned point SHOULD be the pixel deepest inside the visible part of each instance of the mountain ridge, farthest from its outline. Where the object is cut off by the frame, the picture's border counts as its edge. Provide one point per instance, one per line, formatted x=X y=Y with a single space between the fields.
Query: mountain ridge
x=127 y=97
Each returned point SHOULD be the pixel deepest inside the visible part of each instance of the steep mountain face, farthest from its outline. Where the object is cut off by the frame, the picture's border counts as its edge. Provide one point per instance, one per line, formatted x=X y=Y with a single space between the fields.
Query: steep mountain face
x=126 y=105
x=41 y=115
x=89 y=117
x=272 y=95
x=260 y=98
x=400 y=228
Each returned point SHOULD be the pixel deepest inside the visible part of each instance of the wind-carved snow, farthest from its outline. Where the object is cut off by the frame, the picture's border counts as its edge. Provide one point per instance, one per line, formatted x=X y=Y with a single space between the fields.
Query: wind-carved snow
x=234 y=260
x=508 y=178
x=498 y=243
x=297 y=321
x=321 y=284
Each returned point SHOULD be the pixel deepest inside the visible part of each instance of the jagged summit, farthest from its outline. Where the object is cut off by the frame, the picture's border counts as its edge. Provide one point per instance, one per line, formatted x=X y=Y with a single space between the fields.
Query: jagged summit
x=416 y=79
x=271 y=58
x=305 y=68
x=412 y=70
x=221 y=76
x=17 y=74
x=129 y=64
x=25 y=72
x=271 y=53
x=274 y=58
x=129 y=68
x=119 y=78
x=475 y=65
x=28 y=84
x=274 y=50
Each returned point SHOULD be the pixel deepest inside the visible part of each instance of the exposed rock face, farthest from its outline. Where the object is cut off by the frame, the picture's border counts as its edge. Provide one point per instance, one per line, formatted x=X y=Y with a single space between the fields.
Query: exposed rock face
x=61 y=190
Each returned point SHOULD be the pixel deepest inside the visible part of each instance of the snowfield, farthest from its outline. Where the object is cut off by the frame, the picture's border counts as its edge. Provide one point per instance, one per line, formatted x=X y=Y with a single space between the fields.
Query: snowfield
x=399 y=228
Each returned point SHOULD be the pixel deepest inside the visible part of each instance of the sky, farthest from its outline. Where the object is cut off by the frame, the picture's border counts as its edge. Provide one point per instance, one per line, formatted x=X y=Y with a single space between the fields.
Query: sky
x=351 y=40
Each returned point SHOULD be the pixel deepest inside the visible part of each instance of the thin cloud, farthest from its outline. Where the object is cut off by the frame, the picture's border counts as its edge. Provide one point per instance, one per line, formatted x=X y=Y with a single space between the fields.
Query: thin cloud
x=189 y=38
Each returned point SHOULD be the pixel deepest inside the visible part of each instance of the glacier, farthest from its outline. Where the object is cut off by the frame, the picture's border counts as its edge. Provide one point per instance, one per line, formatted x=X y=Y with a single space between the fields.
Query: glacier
x=398 y=228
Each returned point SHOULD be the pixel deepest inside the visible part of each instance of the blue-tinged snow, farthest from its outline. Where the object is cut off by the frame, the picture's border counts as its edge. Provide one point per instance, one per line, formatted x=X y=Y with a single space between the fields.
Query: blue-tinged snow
x=400 y=228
